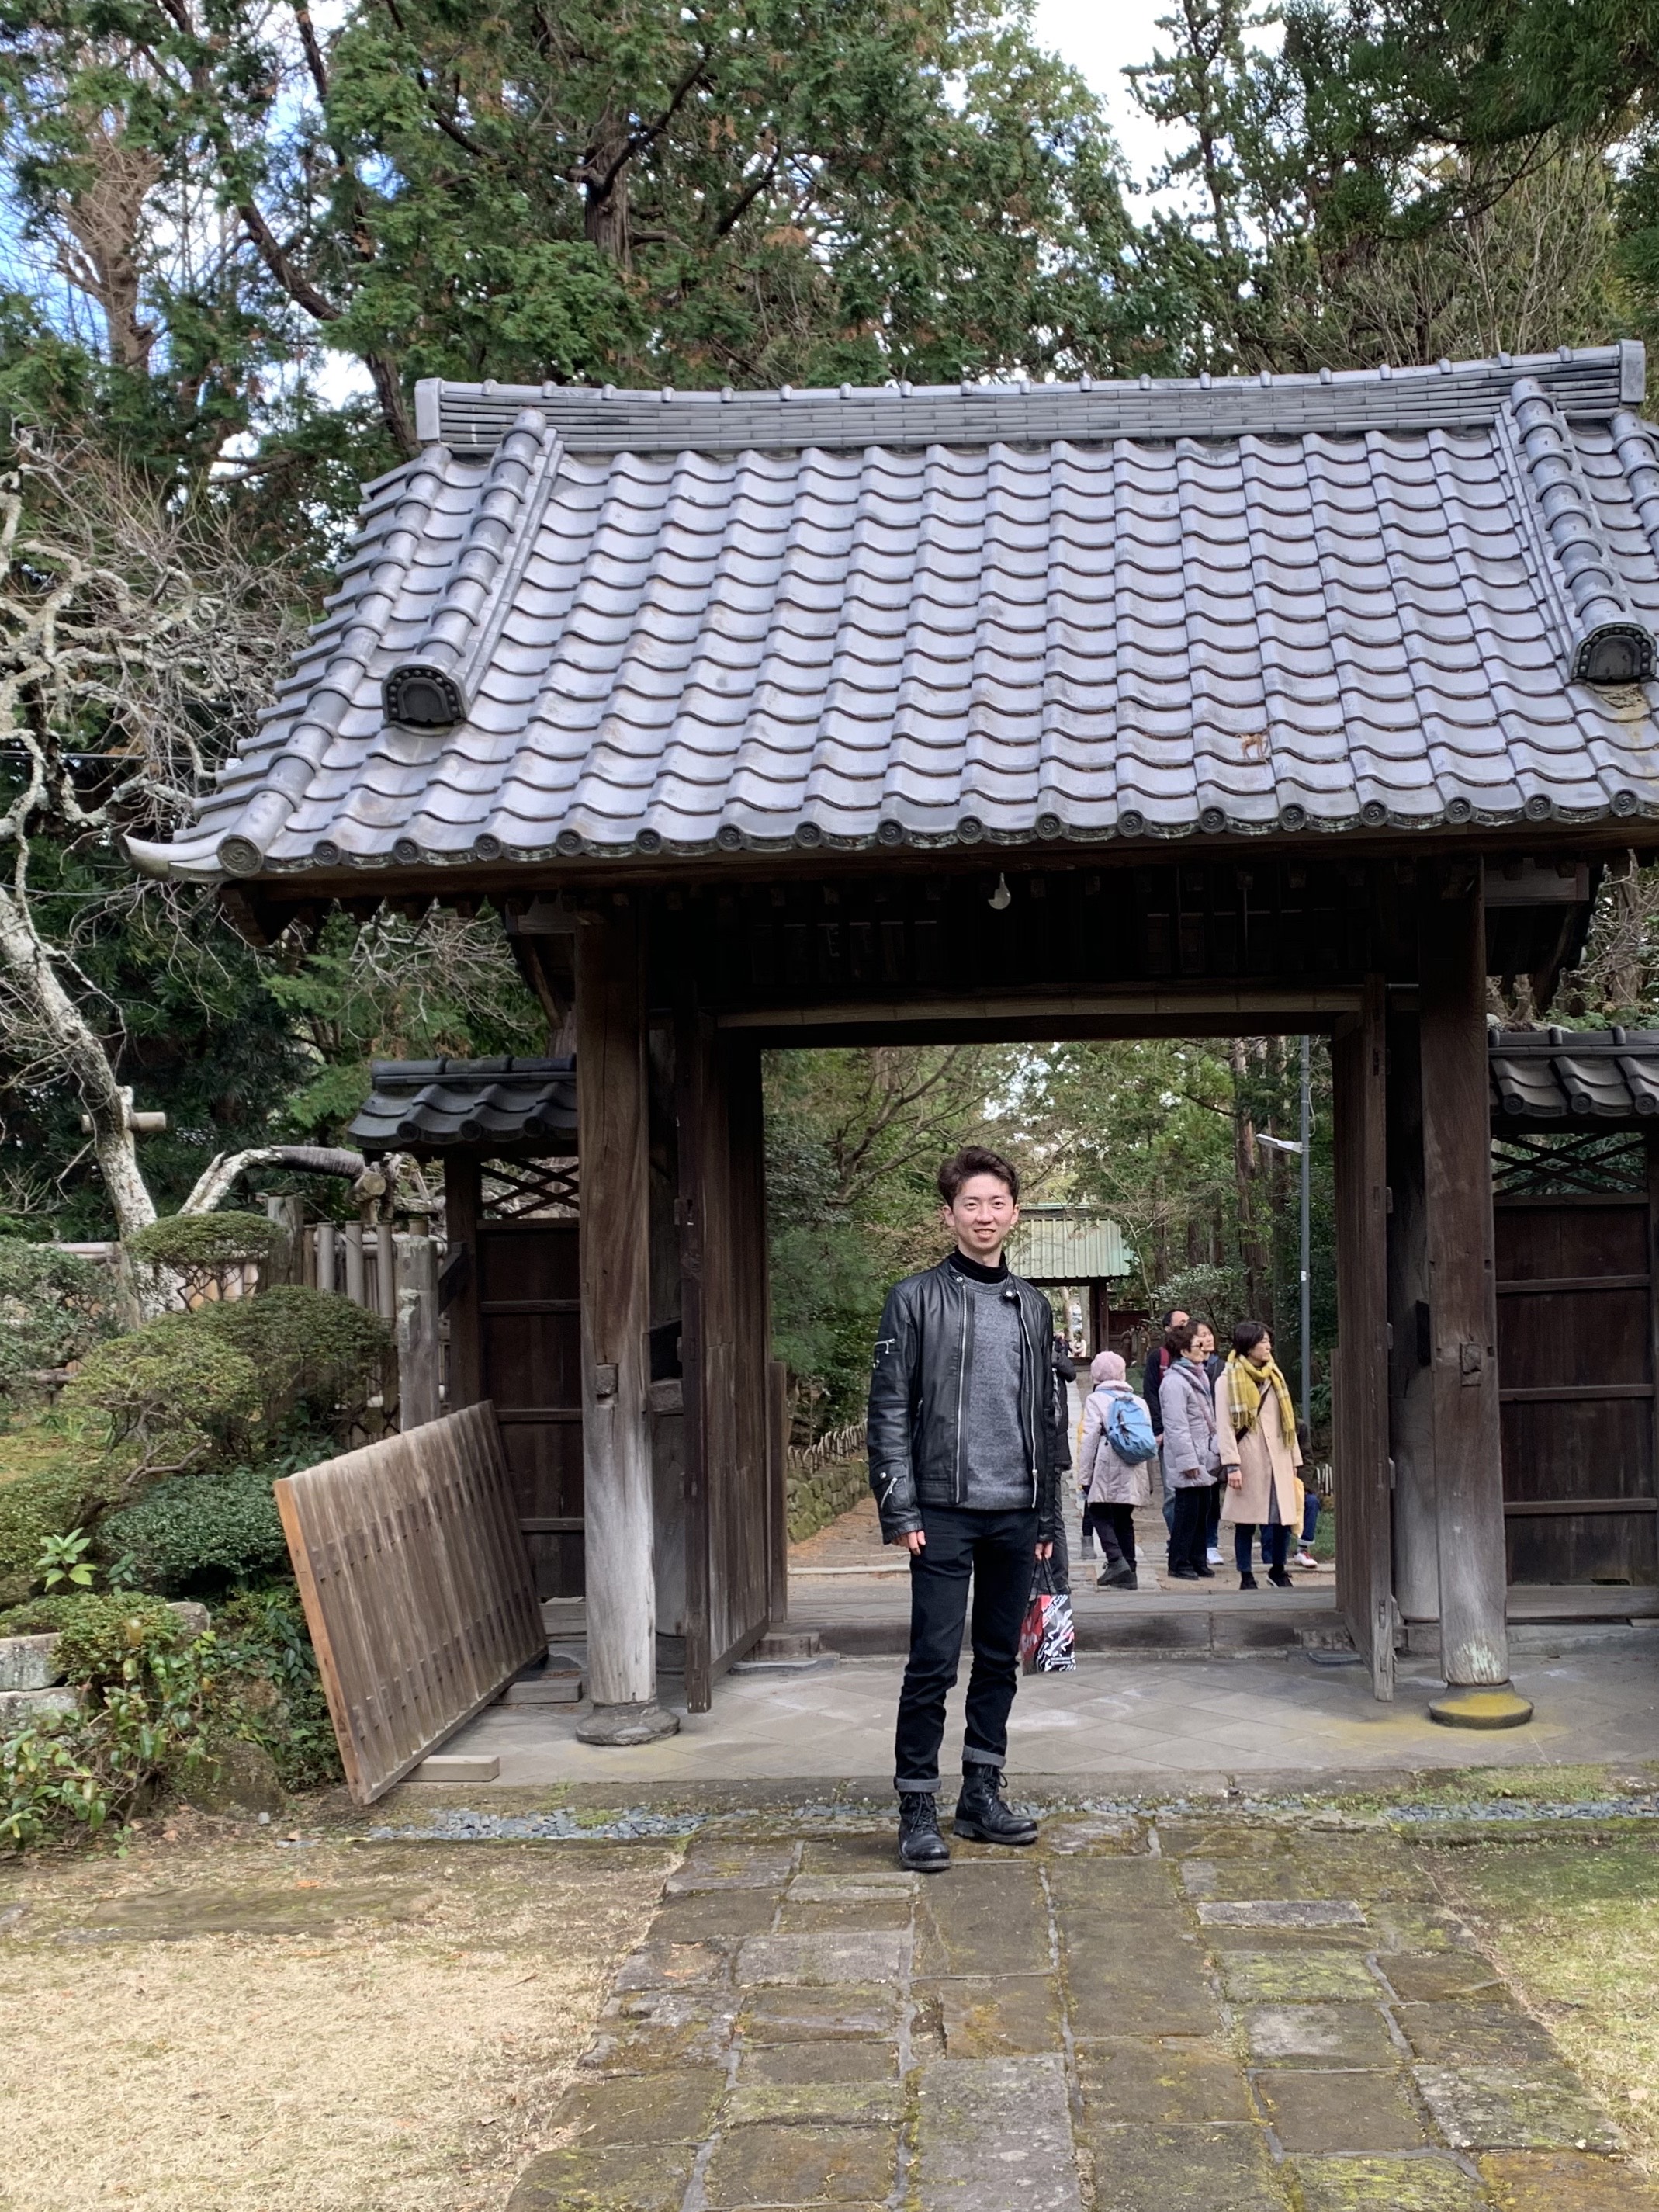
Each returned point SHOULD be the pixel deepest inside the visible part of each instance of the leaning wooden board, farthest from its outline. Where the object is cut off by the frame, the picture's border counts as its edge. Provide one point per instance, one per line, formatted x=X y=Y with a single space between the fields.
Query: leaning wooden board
x=417 y=1589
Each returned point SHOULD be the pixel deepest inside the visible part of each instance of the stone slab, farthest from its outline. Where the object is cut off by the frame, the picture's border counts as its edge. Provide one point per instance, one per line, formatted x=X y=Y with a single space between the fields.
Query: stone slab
x=887 y=1914
x=1319 y=2035
x=1495 y=2108
x=28 y=1662
x=1153 y=1990
x=845 y=2061
x=1312 y=2110
x=674 y=2033
x=722 y=1916
x=1185 y=2169
x=1435 y=1977
x=1432 y=2182
x=788 y=2014
x=641 y=2108
x=1477 y=2032
x=1300 y=1977
x=995 y=2133
x=671 y=1967
x=1564 y=2181
x=731 y=1866
x=27 y=1709
x=997 y=2016
x=1157 y=2082
x=869 y=1885
x=620 y=2178
x=458 y=1766
x=1281 y=1912
x=783 y=2163
x=826 y=2104
x=812 y=1961
x=991 y=1919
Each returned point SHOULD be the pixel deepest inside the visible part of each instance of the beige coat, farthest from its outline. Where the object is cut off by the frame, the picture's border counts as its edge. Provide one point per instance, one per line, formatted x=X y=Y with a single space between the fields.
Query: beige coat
x=1107 y=1479
x=1266 y=1460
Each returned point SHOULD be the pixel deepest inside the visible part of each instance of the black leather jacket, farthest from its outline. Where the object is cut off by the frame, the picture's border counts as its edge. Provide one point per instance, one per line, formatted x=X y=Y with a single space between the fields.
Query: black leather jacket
x=918 y=1399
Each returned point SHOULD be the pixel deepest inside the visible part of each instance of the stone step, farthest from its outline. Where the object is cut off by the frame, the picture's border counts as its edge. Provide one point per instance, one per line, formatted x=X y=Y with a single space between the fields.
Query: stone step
x=552 y=1680
x=25 y=1709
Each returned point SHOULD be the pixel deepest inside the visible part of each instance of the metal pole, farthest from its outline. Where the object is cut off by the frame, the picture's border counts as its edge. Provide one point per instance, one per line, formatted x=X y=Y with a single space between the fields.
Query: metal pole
x=1307 y=1285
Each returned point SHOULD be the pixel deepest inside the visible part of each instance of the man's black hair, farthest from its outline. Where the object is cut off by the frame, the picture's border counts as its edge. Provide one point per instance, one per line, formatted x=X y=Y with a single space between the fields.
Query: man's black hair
x=973 y=1160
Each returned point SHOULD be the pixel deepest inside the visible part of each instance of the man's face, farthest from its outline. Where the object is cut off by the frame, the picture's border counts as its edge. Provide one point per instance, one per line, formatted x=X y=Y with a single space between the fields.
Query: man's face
x=1178 y=1320
x=981 y=1215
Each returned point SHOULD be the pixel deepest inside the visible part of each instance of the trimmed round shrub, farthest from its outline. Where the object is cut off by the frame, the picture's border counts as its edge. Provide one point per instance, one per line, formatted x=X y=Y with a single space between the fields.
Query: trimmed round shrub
x=314 y=1353
x=54 y=1306
x=173 y=1377
x=204 y=1240
x=196 y=1533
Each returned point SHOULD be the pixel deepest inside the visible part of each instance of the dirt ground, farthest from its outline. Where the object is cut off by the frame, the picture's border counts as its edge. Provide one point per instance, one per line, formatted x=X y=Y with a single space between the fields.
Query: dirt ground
x=240 y=2023
x=1575 y=1928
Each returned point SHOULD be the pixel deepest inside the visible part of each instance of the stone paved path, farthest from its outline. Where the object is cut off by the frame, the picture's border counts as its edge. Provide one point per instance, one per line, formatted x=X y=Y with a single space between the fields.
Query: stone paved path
x=1219 y=2016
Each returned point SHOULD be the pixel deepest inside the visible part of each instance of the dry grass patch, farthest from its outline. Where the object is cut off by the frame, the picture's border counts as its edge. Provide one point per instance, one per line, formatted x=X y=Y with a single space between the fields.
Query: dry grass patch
x=1574 y=1926
x=229 y=2026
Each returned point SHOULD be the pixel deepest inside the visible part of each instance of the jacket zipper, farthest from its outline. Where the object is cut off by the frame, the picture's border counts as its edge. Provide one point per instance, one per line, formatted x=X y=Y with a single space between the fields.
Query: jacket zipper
x=962 y=1382
x=1030 y=1426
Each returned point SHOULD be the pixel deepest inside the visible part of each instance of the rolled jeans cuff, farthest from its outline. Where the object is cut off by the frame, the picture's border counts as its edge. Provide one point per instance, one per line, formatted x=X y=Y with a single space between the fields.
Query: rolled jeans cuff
x=970 y=1758
x=916 y=1789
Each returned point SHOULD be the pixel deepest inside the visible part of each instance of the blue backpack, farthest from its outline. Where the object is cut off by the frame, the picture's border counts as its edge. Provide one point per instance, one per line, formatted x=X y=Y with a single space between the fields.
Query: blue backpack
x=1129 y=1428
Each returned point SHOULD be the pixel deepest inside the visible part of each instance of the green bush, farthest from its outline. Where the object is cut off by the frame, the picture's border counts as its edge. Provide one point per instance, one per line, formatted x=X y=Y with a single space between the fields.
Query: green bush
x=315 y=1354
x=54 y=1306
x=192 y=1532
x=272 y=1693
x=203 y=1249
x=174 y=1377
x=50 y=1502
x=146 y=1721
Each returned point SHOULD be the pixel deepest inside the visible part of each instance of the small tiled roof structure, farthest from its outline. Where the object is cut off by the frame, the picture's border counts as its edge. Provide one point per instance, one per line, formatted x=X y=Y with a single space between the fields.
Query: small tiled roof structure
x=611 y=624
x=1559 y=1078
x=507 y=1107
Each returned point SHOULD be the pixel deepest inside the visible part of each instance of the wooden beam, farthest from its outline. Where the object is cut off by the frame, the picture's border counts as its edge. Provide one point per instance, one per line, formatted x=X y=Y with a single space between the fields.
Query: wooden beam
x=615 y=1270
x=462 y=1205
x=1469 y=1474
x=1411 y=1393
x=1364 y=1529
x=420 y=1353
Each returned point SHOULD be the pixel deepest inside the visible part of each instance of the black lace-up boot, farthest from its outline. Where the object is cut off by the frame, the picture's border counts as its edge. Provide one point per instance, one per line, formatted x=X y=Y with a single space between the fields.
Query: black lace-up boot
x=922 y=1847
x=982 y=1815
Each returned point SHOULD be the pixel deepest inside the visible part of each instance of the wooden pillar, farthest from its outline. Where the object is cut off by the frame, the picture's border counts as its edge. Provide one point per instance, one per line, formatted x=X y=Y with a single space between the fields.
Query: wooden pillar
x=419 y=1355
x=1469 y=1476
x=1411 y=1371
x=615 y=1264
x=777 y=1439
x=462 y=1197
x=1365 y=1577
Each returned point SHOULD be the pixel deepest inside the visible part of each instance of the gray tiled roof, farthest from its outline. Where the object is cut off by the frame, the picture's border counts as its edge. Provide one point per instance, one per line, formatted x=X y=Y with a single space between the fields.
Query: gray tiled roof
x=1559 y=1075
x=423 y=1105
x=874 y=618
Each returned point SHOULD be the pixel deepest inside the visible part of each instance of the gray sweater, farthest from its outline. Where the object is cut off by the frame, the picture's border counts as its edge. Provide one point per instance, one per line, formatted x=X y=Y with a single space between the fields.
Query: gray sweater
x=1187 y=1396
x=996 y=1471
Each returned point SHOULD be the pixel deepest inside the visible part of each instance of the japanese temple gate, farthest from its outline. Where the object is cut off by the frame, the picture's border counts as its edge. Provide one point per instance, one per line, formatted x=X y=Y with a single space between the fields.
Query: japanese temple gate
x=1157 y=708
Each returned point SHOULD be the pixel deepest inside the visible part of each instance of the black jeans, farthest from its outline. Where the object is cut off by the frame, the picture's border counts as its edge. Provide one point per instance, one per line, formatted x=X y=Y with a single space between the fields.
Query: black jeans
x=998 y=1550
x=1192 y=1514
x=1115 y=1532
x=1275 y=1539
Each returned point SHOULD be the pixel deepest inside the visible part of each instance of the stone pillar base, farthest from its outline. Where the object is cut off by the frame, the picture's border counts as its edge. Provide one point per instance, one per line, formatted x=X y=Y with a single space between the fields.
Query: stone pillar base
x=1500 y=1707
x=632 y=1724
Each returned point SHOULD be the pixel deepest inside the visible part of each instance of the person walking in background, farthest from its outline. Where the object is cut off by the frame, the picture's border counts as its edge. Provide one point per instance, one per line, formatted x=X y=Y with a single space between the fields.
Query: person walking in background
x=962 y=1462
x=1191 y=1455
x=1255 y=1424
x=1065 y=1375
x=1154 y=1368
x=1114 y=1460
x=1203 y=1350
x=1305 y=1558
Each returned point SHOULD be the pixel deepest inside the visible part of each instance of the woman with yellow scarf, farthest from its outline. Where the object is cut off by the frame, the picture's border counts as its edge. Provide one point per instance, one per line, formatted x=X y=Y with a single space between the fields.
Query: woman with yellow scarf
x=1256 y=1433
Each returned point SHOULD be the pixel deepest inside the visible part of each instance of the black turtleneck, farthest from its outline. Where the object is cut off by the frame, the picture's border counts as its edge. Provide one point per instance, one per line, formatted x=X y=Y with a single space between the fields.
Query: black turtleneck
x=974 y=1272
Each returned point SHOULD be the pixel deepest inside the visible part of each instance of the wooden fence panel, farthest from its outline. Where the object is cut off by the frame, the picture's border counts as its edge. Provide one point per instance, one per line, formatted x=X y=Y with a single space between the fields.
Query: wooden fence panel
x=417 y=1589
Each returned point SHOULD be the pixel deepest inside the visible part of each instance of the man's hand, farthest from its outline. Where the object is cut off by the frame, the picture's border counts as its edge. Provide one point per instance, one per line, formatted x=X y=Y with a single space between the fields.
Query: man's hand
x=1045 y=1551
x=914 y=1540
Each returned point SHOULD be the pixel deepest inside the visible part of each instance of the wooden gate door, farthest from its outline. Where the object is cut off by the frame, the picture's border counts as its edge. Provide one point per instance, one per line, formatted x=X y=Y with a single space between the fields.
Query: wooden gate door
x=1575 y=1372
x=732 y=1503
x=1364 y=1535
x=515 y=1338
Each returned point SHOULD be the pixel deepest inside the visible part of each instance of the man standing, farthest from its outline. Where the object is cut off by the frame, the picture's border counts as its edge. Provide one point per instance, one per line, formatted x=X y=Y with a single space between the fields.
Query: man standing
x=962 y=1443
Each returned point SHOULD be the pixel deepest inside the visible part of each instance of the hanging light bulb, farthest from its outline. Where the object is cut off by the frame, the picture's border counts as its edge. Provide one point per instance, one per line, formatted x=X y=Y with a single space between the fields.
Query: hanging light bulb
x=1001 y=897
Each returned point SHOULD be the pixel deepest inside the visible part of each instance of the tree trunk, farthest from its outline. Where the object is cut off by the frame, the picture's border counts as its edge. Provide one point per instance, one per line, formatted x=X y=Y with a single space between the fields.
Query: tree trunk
x=51 y=1025
x=1244 y=1169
